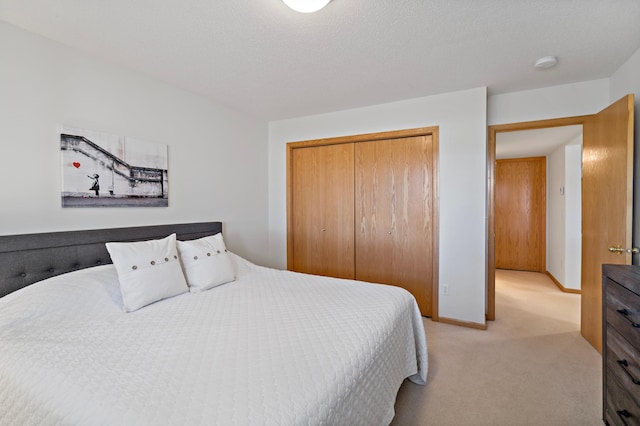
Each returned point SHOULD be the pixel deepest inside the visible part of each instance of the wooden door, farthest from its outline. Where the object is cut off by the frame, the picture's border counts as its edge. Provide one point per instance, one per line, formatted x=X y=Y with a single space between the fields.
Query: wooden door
x=395 y=215
x=607 y=194
x=322 y=195
x=520 y=214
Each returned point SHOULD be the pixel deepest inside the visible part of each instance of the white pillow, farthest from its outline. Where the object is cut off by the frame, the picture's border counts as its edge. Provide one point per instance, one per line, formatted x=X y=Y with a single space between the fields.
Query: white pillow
x=148 y=271
x=206 y=263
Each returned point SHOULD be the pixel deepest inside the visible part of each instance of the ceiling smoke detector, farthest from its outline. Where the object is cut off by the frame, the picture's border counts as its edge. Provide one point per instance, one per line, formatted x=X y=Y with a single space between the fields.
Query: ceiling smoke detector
x=546 y=62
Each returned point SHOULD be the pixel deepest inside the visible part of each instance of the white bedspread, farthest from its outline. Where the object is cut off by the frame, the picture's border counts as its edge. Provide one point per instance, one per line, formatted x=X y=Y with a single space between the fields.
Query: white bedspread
x=272 y=348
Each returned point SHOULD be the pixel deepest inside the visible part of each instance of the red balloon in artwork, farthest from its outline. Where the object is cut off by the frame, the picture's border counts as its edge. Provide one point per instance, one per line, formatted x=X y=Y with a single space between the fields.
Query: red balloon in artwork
x=76 y=164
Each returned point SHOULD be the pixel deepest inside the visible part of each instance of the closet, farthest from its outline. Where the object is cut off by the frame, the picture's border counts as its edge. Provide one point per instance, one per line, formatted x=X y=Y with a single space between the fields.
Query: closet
x=365 y=207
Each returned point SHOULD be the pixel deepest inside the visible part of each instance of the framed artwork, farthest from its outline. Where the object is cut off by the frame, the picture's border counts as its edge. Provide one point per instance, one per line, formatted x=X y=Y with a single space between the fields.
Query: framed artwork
x=105 y=170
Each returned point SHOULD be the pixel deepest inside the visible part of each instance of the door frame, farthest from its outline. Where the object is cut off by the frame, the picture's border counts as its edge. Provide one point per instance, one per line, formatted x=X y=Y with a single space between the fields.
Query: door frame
x=490 y=313
x=432 y=131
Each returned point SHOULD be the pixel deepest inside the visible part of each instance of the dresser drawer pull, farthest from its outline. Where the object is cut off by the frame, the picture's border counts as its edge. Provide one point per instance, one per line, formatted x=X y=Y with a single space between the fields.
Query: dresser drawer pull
x=624 y=364
x=625 y=314
x=624 y=414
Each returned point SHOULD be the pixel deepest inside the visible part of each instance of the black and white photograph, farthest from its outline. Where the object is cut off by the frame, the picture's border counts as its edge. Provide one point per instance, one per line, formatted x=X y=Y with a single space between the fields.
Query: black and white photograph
x=107 y=170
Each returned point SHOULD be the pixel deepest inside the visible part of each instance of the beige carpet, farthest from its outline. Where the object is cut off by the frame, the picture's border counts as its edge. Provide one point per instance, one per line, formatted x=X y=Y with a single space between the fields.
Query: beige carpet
x=530 y=367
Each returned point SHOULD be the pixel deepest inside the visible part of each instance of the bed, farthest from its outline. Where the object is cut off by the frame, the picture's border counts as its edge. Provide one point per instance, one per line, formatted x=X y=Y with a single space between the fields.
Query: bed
x=270 y=348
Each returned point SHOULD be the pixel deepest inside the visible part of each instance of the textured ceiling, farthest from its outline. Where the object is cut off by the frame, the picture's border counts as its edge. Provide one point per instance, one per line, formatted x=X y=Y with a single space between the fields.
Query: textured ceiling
x=264 y=59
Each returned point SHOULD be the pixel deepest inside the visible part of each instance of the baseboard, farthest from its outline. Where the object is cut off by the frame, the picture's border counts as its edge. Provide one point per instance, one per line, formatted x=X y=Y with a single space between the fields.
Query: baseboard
x=467 y=324
x=560 y=286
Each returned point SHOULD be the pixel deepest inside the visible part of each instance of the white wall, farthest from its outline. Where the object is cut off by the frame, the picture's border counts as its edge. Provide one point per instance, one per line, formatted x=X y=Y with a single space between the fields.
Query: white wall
x=564 y=212
x=573 y=214
x=461 y=117
x=624 y=81
x=567 y=100
x=217 y=166
x=556 y=214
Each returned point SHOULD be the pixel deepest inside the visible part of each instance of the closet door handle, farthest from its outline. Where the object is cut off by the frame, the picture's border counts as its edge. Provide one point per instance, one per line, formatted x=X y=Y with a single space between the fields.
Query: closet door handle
x=624 y=364
x=625 y=314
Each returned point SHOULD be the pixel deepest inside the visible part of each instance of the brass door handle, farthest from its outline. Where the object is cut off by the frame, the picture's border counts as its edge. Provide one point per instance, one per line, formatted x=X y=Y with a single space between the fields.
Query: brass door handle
x=620 y=250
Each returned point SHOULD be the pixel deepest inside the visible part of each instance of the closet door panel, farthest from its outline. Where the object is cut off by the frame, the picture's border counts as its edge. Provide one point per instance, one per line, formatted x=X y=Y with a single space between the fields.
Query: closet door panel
x=394 y=215
x=323 y=215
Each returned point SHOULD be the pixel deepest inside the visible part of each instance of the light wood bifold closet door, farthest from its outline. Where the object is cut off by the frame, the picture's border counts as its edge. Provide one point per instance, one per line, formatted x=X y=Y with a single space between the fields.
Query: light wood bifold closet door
x=394 y=211
x=365 y=207
x=323 y=214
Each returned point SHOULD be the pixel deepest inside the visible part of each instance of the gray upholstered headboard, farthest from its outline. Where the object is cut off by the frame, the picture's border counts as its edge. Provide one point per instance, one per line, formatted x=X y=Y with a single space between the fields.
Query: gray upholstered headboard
x=29 y=258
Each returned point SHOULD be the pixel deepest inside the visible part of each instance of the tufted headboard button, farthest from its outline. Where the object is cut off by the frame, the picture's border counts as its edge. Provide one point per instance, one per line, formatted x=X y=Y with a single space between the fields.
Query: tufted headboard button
x=23 y=275
x=51 y=270
x=99 y=262
x=76 y=266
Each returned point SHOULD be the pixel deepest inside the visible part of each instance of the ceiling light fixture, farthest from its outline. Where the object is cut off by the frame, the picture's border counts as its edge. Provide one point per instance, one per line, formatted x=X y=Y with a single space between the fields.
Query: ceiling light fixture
x=546 y=62
x=306 y=6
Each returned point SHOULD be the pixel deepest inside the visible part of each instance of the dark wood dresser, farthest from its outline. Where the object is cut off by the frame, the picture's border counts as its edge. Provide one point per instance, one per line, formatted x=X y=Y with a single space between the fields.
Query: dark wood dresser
x=621 y=344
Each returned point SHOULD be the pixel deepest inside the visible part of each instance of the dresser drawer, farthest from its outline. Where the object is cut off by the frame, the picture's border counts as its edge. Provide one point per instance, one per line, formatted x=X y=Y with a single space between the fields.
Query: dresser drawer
x=623 y=311
x=623 y=361
x=619 y=408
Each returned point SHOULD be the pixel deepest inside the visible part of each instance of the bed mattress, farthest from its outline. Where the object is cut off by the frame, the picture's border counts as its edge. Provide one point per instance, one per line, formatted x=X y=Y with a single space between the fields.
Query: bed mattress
x=272 y=348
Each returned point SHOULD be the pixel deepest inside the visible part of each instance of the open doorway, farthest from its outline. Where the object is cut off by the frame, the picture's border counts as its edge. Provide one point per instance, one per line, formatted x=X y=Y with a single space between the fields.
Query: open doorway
x=538 y=200
x=511 y=148
x=537 y=208
x=607 y=194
